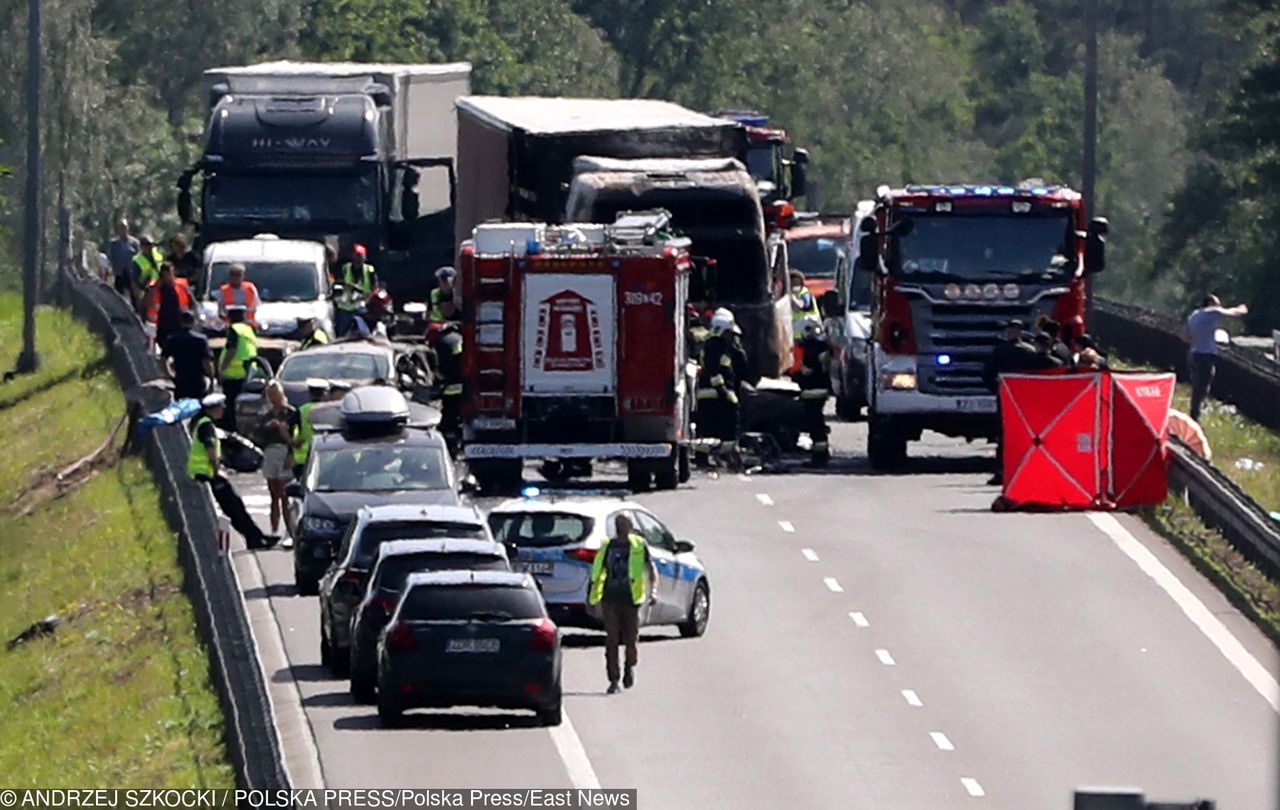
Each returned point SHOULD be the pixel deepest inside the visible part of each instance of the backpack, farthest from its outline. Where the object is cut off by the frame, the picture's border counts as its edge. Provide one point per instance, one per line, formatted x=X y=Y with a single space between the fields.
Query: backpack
x=617 y=573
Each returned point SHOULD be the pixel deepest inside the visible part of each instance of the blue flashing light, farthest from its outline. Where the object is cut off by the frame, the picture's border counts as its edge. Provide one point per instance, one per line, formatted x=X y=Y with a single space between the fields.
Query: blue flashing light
x=1005 y=190
x=531 y=492
x=956 y=190
x=983 y=191
x=943 y=359
x=1039 y=192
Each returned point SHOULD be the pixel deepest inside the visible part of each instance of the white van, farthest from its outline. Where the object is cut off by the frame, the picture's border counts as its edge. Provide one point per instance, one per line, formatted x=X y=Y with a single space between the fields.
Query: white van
x=290 y=274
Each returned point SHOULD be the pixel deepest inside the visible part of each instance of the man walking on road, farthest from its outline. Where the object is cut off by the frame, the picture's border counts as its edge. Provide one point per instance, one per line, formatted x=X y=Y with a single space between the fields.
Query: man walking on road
x=1200 y=331
x=120 y=253
x=240 y=350
x=202 y=465
x=619 y=584
x=191 y=359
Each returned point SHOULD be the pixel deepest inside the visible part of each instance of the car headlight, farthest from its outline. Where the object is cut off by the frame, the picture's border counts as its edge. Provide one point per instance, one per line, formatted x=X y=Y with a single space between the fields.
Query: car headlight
x=319 y=525
x=898 y=380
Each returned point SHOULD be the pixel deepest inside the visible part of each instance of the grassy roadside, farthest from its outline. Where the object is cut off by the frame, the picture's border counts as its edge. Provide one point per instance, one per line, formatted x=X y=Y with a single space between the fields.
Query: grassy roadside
x=120 y=695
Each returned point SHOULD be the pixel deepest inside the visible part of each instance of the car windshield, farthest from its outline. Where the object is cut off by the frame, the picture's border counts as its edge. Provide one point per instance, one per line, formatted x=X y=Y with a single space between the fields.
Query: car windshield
x=331 y=365
x=381 y=468
x=815 y=256
x=539 y=528
x=276 y=281
x=393 y=571
x=982 y=248
x=345 y=200
x=462 y=602
x=373 y=536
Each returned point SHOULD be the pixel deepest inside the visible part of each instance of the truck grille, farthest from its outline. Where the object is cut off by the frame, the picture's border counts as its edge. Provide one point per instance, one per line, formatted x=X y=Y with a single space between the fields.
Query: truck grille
x=964 y=333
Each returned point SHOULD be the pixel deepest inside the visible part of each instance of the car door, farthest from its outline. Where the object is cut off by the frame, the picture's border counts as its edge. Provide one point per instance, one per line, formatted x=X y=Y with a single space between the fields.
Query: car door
x=666 y=607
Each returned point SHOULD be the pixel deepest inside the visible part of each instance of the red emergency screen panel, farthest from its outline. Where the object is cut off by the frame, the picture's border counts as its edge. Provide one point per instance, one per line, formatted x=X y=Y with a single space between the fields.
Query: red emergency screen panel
x=1139 y=426
x=1052 y=455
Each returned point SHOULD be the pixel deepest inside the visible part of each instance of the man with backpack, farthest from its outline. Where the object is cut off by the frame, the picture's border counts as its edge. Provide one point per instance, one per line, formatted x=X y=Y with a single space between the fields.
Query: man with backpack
x=620 y=585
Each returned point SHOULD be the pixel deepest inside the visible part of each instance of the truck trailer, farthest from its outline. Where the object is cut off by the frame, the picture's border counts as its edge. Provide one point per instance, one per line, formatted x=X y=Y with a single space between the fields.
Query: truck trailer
x=577 y=348
x=343 y=153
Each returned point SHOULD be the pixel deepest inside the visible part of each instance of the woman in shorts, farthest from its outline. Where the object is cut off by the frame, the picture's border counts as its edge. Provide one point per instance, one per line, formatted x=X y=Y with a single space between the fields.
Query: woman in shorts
x=275 y=437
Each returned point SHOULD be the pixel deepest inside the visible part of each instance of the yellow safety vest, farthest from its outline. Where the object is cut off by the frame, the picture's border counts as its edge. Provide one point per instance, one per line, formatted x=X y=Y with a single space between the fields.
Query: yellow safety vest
x=305 y=432
x=246 y=350
x=365 y=283
x=198 y=463
x=318 y=337
x=148 y=266
x=635 y=569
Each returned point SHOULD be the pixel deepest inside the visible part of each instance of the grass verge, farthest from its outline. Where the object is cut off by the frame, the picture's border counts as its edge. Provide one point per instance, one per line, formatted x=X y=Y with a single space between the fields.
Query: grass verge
x=119 y=695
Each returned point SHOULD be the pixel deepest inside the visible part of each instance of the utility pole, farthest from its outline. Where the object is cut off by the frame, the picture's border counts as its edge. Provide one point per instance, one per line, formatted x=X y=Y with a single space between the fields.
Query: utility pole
x=29 y=361
x=1089 y=170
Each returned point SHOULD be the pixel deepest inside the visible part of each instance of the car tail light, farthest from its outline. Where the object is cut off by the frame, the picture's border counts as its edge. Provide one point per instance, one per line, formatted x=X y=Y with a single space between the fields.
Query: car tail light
x=400 y=637
x=582 y=554
x=545 y=634
x=353 y=576
x=532 y=688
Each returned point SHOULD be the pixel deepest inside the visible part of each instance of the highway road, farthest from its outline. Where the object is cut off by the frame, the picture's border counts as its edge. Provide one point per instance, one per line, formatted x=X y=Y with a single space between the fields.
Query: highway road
x=875 y=642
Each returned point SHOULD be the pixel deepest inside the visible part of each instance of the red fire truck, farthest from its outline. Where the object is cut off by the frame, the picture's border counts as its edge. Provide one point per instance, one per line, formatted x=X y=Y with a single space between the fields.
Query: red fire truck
x=576 y=349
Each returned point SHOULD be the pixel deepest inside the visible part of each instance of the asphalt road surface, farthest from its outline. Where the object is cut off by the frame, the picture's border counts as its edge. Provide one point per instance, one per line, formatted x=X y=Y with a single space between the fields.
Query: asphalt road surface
x=875 y=642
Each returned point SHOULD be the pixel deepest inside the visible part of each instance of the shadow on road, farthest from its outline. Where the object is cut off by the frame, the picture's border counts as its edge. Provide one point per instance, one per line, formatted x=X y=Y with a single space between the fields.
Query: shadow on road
x=439 y=721
x=310 y=673
x=274 y=590
x=586 y=640
x=328 y=699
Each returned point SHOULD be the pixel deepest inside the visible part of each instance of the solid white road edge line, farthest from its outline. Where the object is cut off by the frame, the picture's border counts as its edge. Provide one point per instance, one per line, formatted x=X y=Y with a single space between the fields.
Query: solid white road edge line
x=1226 y=642
x=764 y=499
x=940 y=740
x=786 y=525
x=912 y=698
x=574 y=755
x=809 y=554
x=832 y=585
x=859 y=619
x=884 y=657
x=972 y=786
x=293 y=727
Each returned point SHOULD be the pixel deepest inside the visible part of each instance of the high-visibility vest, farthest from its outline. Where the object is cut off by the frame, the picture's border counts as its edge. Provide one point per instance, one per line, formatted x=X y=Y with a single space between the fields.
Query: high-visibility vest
x=153 y=297
x=148 y=266
x=365 y=283
x=198 y=462
x=246 y=295
x=436 y=314
x=803 y=307
x=635 y=570
x=318 y=337
x=304 y=433
x=246 y=350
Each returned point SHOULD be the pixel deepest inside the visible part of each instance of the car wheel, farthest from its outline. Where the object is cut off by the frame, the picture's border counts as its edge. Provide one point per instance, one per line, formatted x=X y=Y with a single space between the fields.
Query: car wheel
x=305 y=584
x=666 y=474
x=364 y=686
x=683 y=469
x=699 y=612
x=551 y=716
x=389 y=712
x=326 y=652
x=638 y=475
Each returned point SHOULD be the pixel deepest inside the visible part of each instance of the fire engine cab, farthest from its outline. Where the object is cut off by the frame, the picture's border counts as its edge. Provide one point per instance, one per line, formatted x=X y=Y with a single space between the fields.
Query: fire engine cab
x=576 y=348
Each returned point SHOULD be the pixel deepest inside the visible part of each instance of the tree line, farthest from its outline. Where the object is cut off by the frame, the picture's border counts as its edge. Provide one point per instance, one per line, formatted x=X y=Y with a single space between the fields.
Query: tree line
x=879 y=91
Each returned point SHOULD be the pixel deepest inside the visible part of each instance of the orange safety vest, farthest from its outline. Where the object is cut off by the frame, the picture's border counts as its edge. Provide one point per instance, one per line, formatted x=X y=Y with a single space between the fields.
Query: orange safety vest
x=250 y=302
x=153 y=297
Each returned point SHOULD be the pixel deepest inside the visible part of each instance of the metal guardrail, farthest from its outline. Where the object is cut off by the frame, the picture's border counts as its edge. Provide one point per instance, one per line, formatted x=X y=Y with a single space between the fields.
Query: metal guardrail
x=1224 y=506
x=209 y=581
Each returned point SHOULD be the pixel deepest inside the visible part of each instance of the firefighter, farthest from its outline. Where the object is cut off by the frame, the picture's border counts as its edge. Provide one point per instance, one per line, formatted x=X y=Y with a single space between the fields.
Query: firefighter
x=720 y=381
x=356 y=276
x=814 y=379
x=444 y=298
x=448 y=349
x=804 y=305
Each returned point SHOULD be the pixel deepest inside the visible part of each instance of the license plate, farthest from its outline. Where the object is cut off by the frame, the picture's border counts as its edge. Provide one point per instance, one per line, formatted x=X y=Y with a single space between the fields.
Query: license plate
x=976 y=405
x=472 y=645
x=538 y=569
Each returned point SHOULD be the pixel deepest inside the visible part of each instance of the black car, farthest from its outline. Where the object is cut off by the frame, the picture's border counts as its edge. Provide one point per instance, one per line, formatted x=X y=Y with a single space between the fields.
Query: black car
x=375 y=459
x=396 y=561
x=469 y=638
x=344 y=584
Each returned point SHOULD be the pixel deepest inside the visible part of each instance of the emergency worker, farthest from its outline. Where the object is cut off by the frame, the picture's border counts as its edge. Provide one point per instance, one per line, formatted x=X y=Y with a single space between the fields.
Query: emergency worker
x=448 y=348
x=620 y=585
x=804 y=305
x=720 y=381
x=355 y=275
x=311 y=333
x=238 y=292
x=202 y=465
x=237 y=355
x=146 y=266
x=444 y=306
x=814 y=379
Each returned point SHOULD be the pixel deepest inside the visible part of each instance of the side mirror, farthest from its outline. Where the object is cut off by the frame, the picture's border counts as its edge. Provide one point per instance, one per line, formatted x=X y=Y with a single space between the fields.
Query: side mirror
x=901 y=228
x=684 y=546
x=1095 y=245
x=868 y=251
x=293 y=489
x=184 y=197
x=468 y=486
x=799 y=173
x=829 y=303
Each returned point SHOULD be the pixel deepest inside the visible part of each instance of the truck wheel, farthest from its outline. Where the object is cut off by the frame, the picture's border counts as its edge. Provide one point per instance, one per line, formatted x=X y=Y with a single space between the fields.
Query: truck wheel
x=886 y=445
x=848 y=408
x=666 y=473
x=683 y=467
x=638 y=474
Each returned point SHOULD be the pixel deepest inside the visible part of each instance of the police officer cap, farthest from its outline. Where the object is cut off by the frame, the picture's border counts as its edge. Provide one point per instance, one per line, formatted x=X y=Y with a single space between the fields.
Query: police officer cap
x=723 y=319
x=146 y=239
x=317 y=384
x=214 y=400
x=305 y=319
x=446 y=272
x=1014 y=322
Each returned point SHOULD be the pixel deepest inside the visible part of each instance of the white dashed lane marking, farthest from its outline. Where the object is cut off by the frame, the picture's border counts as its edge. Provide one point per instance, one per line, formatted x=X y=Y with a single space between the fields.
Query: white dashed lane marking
x=764 y=499
x=859 y=619
x=940 y=740
x=786 y=526
x=912 y=698
x=971 y=785
x=832 y=585
x=809 y=554
x=884 y=657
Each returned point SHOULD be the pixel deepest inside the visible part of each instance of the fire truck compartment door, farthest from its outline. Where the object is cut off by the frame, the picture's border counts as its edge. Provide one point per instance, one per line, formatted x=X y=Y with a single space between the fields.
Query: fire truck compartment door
x=568 y=339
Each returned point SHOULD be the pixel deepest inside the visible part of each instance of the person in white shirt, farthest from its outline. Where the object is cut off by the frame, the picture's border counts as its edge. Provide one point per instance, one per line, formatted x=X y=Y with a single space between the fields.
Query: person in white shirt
x=1201 y=332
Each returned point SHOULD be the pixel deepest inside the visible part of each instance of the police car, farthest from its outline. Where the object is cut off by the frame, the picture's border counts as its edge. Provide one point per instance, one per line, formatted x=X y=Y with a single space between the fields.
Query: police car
x=556 y=540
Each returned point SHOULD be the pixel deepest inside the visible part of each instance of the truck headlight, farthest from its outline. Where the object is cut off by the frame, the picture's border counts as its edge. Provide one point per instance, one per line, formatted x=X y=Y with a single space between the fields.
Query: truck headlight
x=898 y=380
x=319 y=525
